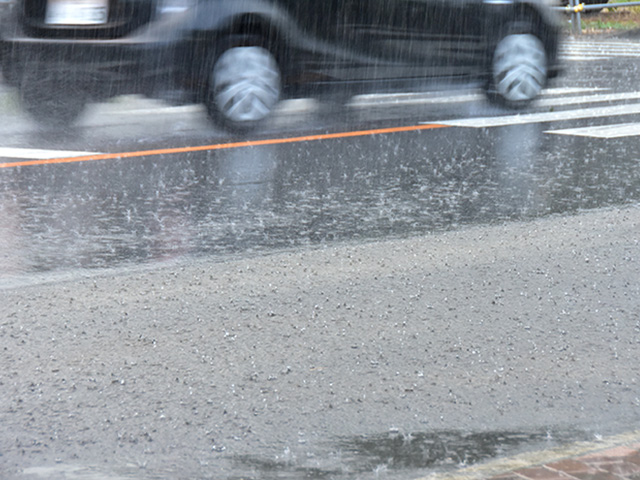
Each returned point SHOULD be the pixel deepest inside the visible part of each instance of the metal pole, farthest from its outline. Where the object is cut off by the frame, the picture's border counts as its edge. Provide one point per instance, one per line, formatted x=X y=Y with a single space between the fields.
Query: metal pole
x=579 y=19
x=576 y=24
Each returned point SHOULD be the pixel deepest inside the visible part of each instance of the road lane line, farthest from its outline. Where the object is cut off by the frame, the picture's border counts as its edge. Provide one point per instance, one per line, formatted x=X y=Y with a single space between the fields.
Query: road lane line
x=222 y=146
x=586 y=99
x=571 y=90
x=603 y=131
x=40 y=154
x=549 y=97
x=583 y=58
x=547 y=117
x=579 y=51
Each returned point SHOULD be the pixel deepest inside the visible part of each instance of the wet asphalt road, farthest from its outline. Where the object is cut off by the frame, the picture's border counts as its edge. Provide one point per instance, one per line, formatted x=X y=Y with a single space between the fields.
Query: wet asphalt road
x=188 y=353
x=117 y=212
x=380 y=360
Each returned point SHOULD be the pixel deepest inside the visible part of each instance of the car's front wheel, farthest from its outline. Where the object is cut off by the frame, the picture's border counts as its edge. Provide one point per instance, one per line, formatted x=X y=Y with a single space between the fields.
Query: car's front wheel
x=244 y=87
x=50 y=107
x=52 y=98
x=518 y=70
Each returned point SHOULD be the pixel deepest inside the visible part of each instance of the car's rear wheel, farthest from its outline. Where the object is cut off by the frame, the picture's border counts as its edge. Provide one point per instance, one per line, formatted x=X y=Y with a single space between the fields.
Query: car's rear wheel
x=518 y=70
x=244 y=87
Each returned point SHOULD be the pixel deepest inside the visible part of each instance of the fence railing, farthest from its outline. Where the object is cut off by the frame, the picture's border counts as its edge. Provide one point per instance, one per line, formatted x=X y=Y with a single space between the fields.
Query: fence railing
x=575 y=8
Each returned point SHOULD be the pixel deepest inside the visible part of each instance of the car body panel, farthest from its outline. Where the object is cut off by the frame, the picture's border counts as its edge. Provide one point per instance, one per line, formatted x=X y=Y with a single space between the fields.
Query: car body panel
x=359 y=46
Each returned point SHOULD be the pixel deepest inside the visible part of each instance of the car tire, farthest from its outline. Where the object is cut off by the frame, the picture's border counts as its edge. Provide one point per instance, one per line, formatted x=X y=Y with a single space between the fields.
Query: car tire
x=244 y=87
x=518 y=70
x=50 y=97
x=52 y=111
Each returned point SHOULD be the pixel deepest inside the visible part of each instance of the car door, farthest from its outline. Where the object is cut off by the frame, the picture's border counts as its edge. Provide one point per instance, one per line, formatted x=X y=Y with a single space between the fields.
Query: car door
x=417 y=38
x=329 y=44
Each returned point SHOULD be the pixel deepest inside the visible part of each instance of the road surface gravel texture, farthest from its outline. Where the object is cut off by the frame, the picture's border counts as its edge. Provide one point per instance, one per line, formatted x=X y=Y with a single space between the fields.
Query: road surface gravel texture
x=178 y=370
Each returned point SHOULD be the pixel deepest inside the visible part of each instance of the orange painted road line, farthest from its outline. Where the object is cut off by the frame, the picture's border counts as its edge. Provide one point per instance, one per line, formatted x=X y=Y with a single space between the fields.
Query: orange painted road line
x=221 y=146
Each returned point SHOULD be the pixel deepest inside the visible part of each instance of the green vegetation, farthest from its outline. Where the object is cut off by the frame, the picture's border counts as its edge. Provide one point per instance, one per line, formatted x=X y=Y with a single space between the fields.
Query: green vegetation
x=599 y=24
x=609 y=19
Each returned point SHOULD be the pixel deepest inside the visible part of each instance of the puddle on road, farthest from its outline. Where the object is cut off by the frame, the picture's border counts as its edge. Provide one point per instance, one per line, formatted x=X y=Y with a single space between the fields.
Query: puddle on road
x=396 y=455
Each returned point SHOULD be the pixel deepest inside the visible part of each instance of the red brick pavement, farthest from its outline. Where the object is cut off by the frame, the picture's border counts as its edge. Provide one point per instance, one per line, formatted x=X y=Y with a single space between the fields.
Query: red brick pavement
x=619 y=463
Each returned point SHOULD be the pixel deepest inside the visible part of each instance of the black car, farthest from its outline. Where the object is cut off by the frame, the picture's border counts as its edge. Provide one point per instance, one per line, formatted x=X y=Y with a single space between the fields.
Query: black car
x=240 y=57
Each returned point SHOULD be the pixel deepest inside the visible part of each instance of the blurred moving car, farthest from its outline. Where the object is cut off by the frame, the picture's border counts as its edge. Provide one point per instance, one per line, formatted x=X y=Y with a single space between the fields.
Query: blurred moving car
x=240 y=57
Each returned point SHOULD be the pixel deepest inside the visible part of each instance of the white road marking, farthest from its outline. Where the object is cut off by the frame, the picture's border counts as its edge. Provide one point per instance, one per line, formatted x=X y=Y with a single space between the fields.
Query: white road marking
x=603 y=131
x=571 y=90
x=582 y=58
x=39 y=154
x=437 y=98
x=373 y=100
x=585 y=99
x=521 y=119
x=572 y=50
x=613 y=131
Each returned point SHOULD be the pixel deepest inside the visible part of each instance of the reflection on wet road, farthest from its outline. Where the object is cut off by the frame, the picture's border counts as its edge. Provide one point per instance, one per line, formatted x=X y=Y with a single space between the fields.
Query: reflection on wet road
x=394 y=453
x=390 y=455
x=254 y=198
x=362 y=361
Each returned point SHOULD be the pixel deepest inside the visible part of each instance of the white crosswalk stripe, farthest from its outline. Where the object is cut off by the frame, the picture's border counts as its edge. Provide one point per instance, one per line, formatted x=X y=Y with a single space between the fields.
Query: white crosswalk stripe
x=591 y=106
x=521 y=119
x=618 y=130
x=585 y=50
x=578 y=50
x=39 y=154
x=545 y=101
